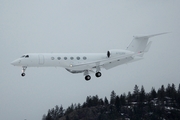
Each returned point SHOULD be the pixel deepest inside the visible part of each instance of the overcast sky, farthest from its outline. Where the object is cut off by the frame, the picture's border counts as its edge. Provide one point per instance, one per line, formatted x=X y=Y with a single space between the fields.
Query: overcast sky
x=82 y=26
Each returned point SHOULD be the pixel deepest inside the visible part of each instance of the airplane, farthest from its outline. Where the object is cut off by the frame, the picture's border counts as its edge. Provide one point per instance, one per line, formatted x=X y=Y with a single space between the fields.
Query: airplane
x=88 y=63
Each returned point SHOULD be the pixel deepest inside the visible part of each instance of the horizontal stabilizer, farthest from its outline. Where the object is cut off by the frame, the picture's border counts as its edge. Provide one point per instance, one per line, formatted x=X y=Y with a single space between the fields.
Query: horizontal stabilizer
x=149 y=36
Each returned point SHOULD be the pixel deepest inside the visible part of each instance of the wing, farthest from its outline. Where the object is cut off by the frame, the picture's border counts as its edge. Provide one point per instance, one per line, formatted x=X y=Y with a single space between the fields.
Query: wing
x=106 y=63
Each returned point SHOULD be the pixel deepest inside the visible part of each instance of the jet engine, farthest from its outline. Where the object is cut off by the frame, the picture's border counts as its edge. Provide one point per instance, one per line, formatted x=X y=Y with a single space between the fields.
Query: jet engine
x=114 y=52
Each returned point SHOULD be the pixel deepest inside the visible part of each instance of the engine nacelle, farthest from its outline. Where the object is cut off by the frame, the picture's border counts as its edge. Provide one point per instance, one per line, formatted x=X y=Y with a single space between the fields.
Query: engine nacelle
x=115 y=52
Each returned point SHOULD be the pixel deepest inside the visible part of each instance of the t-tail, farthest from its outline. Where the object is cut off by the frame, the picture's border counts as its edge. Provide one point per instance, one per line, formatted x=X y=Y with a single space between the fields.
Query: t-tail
x=140 y=44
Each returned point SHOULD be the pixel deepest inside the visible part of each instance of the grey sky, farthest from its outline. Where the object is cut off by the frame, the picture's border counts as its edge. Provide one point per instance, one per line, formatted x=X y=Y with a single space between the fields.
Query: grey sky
x=82 y=26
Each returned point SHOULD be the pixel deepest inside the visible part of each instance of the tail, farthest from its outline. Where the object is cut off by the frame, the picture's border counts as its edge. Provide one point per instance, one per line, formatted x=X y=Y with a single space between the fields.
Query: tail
x=140 y=43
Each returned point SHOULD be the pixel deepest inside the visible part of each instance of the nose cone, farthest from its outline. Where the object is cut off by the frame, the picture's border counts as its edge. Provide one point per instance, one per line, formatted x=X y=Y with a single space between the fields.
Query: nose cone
x=15 y=62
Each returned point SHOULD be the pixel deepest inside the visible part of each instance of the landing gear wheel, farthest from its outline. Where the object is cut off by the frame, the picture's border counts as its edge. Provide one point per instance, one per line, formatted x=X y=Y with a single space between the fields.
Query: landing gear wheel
x=98 y=74
x=23 y=74
x=87 y=77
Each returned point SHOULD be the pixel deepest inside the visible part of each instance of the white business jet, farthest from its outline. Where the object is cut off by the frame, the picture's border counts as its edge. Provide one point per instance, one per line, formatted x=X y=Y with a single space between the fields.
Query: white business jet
x=87 y=63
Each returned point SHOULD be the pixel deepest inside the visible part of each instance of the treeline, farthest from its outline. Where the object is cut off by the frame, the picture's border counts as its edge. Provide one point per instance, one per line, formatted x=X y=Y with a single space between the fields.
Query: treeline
x=161 y=104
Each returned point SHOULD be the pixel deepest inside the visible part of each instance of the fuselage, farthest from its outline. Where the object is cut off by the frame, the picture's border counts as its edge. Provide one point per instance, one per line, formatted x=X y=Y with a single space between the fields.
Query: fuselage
x=56 y=59
x=65 y=60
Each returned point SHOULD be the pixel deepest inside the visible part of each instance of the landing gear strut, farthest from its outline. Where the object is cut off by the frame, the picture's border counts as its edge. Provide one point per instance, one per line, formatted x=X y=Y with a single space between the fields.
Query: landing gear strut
x=23 y=71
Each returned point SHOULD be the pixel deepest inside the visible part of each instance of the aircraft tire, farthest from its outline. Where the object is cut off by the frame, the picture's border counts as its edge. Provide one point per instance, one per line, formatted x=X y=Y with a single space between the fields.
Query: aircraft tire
x=87 y=77
x=23 y=74
x=98 y=74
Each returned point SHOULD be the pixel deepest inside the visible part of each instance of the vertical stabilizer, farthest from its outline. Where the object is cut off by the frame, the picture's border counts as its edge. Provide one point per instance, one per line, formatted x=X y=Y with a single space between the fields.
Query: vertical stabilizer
x=148 y=46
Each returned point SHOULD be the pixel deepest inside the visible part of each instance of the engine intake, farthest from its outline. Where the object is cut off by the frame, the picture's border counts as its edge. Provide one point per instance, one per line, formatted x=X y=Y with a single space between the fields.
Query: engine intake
x=114 y=52
x=108 y=54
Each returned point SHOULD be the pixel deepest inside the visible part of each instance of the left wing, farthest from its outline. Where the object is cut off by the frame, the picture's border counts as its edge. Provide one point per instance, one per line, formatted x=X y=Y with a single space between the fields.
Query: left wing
x=106 y=63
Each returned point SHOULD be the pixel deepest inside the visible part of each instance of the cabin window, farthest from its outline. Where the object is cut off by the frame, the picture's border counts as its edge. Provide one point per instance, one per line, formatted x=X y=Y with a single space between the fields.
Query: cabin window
x=52 y=58
x=65 y=58
x=59 y=58
x=84 y=58
x=71 y=58
x=78 y=58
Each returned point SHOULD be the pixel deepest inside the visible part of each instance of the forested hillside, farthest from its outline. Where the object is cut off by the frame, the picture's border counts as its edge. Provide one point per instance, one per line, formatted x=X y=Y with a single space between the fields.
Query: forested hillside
x=163 y=104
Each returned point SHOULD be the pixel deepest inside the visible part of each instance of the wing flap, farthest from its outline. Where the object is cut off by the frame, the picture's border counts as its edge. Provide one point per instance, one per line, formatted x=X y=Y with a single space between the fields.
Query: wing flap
x=110 y=65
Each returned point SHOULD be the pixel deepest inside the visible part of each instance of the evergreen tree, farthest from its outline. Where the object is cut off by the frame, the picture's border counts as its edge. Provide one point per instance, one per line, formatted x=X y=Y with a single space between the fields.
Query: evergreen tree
x=153 y=93
x=178 y=96
x=129 y=97
x=67 y=117
x=69 y=109
x=174 y=92
x=72 y=106
x=75 y=106
x=79 y=106
x=117 y=103
x=84 y=105
x=161 y=93
x=123 y=99
x=48 y=117
x=136 y=93
x=113 y=97
x=89 y=101
x=52 y=112
x=178 y=91
x=168 y=91
x=95 y=100
x=101 y=102
x=61 y=111
x=44 y=117
x=136 y=90
x=106 y=101
x=142 y=95
x=56 y=112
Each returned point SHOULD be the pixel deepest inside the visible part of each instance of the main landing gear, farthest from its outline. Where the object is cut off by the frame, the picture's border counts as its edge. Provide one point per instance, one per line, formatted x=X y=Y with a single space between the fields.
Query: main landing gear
x=88 y=77
x=23 y=71
x=97 y=74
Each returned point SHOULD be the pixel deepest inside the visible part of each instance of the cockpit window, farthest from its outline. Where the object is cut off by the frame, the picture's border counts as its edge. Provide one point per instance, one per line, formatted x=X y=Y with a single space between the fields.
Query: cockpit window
x=27 y=56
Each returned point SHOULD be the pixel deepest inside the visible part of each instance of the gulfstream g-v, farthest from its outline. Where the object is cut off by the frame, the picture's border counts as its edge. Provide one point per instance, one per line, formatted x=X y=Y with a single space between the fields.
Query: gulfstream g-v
x=87 y=63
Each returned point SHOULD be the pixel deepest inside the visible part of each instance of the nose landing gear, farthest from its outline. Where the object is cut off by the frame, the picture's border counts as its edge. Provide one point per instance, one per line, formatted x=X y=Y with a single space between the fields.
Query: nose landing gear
x=23 y=71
